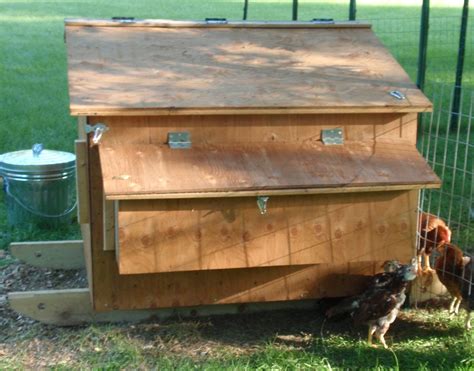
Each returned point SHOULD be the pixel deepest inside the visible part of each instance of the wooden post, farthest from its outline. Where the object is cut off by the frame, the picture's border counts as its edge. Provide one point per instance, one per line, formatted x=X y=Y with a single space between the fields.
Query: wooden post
x=246 y=8
x=455 y=114
x=295 y=10
x=352 y=10
x=423 y=43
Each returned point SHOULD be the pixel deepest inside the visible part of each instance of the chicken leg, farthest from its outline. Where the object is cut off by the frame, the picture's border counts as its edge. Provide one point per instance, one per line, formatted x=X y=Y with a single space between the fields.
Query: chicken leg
x=372 y=329
x=468 y=321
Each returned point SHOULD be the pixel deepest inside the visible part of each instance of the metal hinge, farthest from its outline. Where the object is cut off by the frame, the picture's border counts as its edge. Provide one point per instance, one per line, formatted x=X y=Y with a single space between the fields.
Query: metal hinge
x=124 y=19
x=216 y=20
x=180 y=139
x=98 y=130
x=332 y=136
x=322 y=20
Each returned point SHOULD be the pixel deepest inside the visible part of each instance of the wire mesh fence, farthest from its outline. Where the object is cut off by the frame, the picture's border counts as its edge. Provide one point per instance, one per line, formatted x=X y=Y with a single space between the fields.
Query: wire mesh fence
x=451 y=154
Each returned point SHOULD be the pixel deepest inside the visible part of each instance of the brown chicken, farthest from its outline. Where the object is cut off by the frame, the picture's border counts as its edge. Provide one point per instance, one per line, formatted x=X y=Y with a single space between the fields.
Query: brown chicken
x=378 y=306
x=456 y=272
x=433 y=233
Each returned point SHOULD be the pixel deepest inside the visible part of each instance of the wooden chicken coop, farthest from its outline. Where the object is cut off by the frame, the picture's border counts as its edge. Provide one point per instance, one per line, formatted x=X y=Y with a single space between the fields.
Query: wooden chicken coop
x=237 y=162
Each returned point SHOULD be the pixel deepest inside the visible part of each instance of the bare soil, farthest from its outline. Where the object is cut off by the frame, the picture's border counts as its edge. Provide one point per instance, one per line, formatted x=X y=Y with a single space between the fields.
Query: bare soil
x=16 y=276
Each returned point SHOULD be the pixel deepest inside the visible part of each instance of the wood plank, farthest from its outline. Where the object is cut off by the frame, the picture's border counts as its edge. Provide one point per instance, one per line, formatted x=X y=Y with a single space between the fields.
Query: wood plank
x=189 y=235
x=233 y=70
x=87 y=251
x=82 y=182
x=162 y=171
x=81 y=128
x=50 y=254
x=282 y=192
x=127 y=112
x=177 y=235
x=73 y=307
x=109 y=225
x=230 y=24
x=113 y=291
x=223 y=129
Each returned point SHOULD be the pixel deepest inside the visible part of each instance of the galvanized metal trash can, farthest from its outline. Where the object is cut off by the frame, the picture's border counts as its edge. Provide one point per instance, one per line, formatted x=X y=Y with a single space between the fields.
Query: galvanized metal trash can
x=39 y=186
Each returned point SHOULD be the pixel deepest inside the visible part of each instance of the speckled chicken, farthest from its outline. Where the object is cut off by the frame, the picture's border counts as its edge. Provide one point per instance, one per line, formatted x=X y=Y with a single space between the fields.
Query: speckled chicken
x=379 y=304
x=433 y=232
x=455 y=270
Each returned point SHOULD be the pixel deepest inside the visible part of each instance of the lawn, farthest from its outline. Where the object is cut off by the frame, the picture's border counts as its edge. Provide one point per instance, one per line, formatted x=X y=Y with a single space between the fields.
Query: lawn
x=34 y=108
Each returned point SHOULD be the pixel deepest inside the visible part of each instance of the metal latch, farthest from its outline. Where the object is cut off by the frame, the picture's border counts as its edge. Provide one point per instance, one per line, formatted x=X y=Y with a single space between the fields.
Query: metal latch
x=179 y=139
x=323 y=20
x=332 y=136
x=216 y=20
x=98 y=130
x=262 y=204
x=398 y=94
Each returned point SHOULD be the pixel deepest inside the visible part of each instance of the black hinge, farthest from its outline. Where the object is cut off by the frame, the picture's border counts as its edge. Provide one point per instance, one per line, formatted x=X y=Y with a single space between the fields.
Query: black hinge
x=323 y=20
x=216 y=20
x=124 y=19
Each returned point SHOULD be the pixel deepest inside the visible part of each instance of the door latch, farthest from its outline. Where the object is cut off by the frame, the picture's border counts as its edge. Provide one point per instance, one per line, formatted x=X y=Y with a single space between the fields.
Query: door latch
x=98 y=130
x=262 y=204
x=332 y=136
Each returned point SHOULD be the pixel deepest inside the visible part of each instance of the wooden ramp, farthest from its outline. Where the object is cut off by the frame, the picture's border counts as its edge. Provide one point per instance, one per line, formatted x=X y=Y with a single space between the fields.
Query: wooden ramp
x=73 y=307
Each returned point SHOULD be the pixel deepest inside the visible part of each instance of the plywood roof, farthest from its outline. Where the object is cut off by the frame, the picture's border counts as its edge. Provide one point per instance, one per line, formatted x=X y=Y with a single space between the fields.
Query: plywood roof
x=185 y=68
x=238 y=170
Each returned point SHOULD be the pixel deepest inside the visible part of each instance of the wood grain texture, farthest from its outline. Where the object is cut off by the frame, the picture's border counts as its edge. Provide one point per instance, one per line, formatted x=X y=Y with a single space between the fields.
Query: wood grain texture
x=112 y=291
x=158 y=170
x=285 y=128
x=109 y=225
x=230 y=24
x=206 y=234
x=72 y=307
x=87 y=246
x=82 y=182
x=163 y=70
x=50 y=254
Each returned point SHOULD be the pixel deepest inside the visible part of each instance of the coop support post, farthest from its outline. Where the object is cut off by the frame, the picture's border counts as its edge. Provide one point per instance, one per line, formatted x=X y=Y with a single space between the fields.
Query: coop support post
x=459 y=67
x=352 y=10
x=423 y=45
x=246 y=9
x=295 y=10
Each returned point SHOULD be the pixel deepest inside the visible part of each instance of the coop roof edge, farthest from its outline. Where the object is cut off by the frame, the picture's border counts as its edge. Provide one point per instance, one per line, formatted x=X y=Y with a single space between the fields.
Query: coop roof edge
x=131 y=22
x=174 y=111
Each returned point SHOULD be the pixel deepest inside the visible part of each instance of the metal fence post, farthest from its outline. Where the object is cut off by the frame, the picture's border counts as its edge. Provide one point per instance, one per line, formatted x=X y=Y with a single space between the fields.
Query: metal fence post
x=459 y=67
x=295 y=10
x=423 y=45
x=246 y=8
x=352 y=10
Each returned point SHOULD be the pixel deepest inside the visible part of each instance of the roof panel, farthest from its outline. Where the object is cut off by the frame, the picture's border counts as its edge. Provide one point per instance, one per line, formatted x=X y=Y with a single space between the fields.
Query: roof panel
x=153 y=69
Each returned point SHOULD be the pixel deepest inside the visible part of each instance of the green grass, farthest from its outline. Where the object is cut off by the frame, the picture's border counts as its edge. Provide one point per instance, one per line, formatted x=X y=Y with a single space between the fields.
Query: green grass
x=419 y=340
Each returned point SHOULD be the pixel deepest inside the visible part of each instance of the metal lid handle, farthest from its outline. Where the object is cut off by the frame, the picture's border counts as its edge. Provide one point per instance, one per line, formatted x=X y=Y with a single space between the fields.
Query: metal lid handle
x=37 y=149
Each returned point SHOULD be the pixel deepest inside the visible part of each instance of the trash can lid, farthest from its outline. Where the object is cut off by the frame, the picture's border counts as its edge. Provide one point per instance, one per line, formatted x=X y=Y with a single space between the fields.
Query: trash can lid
x=36 y=161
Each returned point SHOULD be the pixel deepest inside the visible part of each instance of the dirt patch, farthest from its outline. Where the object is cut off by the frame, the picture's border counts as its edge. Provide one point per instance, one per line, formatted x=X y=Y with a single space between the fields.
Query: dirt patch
x=16 y=276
